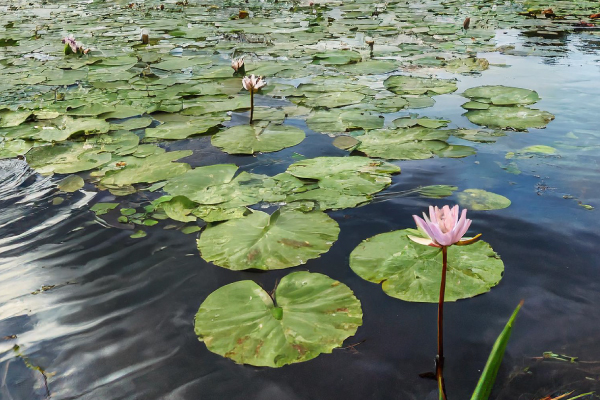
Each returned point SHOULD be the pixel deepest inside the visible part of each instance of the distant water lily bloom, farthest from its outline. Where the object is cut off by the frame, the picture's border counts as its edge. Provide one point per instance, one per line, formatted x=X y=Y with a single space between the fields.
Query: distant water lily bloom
x=253 y=83
x=70 y=41
x=73 y=47
x=238 y=65
x=444 y=227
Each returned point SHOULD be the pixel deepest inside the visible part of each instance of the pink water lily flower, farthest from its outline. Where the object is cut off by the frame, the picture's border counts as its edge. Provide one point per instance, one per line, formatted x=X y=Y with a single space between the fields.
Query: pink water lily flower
x=70 y=40
x=253 y=83
x=237 y=64
x=444 y=227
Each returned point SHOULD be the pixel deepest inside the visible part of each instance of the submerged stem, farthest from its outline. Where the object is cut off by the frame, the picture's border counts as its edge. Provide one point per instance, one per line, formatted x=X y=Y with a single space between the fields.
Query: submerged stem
x=251 y=104
x=439 y=360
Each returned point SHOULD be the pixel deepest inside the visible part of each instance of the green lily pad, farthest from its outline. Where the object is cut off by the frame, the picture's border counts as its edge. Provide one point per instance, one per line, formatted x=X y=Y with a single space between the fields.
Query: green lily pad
x=477 y=199
x=65 y=158
x=332 y=100
x=103 y=208
x=519 y=118
x=370 y=67
x=147 y=170
x=249 y=139
x=336 y=121
x=15 y=147
x=437 y=191
x=467 y=65
x=183 y=129
x=412 y=272
x=322 y=167
x=282 y=240
x=502 y=95
x=217 y=186
x=71 y=183
x=309 y=314
x=408 y=122
x=540 y=149
x=337 y=57
x=403 y=144
x=411 y=85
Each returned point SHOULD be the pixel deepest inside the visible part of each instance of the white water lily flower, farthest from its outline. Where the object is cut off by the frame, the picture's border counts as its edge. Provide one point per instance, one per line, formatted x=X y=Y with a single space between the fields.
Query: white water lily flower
x=253 y=83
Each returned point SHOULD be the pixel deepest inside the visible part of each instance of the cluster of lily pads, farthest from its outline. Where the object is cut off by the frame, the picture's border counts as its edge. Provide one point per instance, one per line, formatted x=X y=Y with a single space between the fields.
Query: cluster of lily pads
x=345 y=70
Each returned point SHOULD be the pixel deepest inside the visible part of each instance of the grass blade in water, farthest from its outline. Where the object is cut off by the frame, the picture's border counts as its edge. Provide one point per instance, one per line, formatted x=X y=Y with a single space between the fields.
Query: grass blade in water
x=488 y=376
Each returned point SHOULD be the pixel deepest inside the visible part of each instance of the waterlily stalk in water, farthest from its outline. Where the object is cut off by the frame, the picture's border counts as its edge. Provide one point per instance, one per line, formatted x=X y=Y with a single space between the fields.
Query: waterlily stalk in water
x=443 y=228
x=253 y=84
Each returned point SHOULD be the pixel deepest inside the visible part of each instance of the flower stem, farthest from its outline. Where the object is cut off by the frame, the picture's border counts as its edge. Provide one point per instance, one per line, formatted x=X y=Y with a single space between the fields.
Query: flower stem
x=439 y=360
x=251 y=105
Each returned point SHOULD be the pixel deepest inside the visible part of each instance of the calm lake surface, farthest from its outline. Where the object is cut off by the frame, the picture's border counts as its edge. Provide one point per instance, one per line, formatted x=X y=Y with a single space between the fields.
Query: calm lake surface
x=119 y=322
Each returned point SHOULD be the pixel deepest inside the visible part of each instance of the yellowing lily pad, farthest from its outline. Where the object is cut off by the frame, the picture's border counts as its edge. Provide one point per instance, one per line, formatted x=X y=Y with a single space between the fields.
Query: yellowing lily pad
x=307 y=315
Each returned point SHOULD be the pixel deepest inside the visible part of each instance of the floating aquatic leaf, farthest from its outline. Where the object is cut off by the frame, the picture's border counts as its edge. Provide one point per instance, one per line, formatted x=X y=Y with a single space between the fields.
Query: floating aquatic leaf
x=249 y=139
x=65 y=158
x=408 y=122
x=14 y=148
x=403 y=144
x=103 y=208
x=412 y=272
x=436 y=191
x=322 y=167
x=411 y=85
x=71 y=183
x=331 y=100
x=519 y=118
x=184 y=129
x=148 y=170
x=282 y=240
x=337 y=57
x=336 y=121
x=467 y=65
x=370 y=67
x=540 y=149
x=477 y=199
x=502 y=95
x=309 y=314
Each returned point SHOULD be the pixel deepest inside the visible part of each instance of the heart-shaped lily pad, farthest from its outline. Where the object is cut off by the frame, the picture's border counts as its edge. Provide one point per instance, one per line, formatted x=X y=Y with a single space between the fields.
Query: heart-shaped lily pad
x=309 y=314
x=282 y=240
x=413 y=272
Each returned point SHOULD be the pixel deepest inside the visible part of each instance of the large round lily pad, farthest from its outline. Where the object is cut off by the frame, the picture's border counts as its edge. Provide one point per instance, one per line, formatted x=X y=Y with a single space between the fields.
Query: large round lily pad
x=519 y=118
x=282 y=240
x=309 y=314
x=413 y=272
x=249 y=139
x=405 y=85
x=502 y=95
x=478 y=199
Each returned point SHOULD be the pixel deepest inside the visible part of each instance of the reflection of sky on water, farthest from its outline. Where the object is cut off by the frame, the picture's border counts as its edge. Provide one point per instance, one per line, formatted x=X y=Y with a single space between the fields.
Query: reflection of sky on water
x=123 y=328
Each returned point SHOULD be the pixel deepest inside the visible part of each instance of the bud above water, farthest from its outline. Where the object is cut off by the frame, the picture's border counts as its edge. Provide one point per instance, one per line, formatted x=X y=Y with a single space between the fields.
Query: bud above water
x=144 y=36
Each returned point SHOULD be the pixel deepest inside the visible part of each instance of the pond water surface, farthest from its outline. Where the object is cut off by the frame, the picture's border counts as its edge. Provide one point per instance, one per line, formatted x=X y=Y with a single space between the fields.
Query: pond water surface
x=119 y=322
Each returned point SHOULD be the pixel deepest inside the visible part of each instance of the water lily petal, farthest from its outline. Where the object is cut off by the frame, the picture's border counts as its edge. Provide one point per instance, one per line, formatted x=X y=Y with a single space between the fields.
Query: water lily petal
x=423 y=241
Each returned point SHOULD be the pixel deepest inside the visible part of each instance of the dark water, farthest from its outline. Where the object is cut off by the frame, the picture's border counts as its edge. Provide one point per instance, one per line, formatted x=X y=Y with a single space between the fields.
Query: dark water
x=119 y=322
